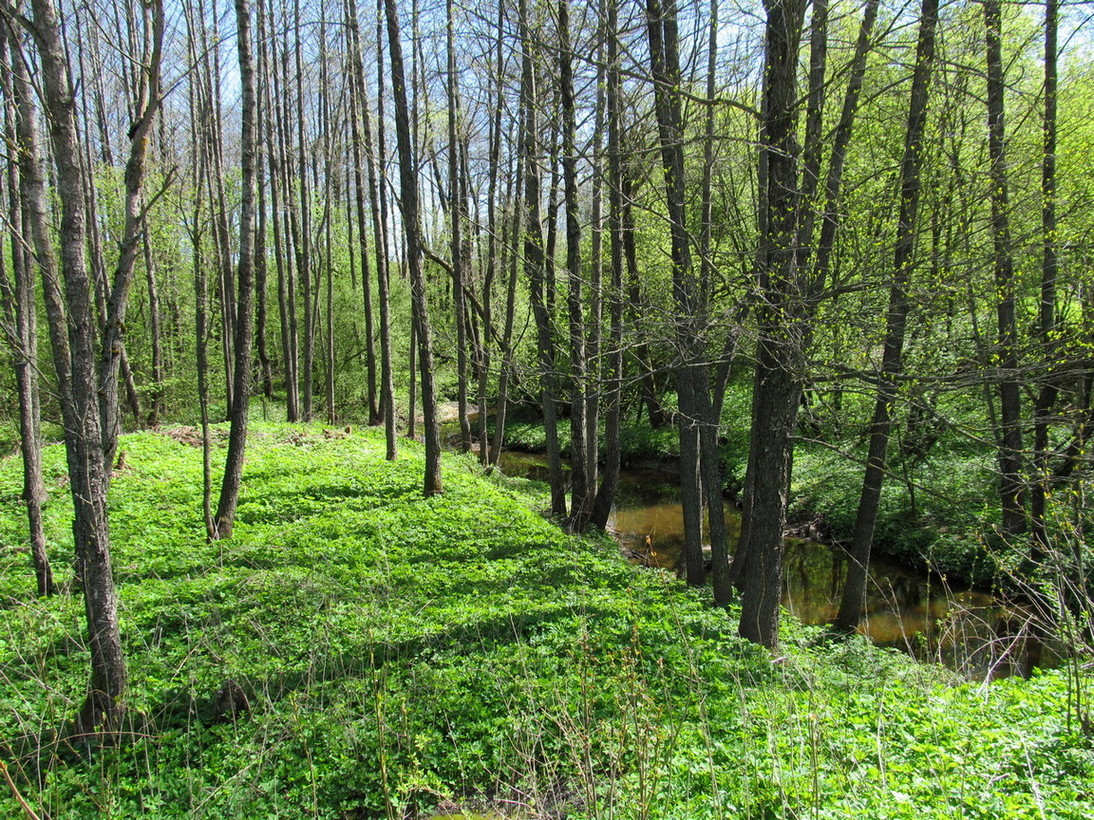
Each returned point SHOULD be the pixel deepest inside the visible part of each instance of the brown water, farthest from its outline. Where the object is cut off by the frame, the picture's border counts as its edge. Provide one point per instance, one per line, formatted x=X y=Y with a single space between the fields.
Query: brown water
x=968 y=630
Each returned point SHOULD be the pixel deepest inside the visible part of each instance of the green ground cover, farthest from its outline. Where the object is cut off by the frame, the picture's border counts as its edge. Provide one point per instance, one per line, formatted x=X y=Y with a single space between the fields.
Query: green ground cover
x=404 y=656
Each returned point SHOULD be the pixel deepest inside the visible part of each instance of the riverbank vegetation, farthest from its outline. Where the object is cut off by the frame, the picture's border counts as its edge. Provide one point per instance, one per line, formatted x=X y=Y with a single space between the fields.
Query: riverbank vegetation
x=400 y=655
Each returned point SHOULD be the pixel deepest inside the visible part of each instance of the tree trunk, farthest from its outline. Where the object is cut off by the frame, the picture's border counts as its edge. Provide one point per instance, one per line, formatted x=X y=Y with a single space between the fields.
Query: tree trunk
x=155 y=330
x=358 y=111
x=303 y=237
x=662 y=30
x=274 y=138
x=72 y=327
x=581 y=490
x=536 y=262
x=833 y=184
x=605 y=497
x=457 y=207
x=260 y=269
x=237 y=436
x=1010 y=432
x=378 y=194
x=113 y=346
x=21 y=313
x=411 y=226
x=708 y=411
x=779 y=355
x=510 y=232
x=1046 y=396
x=892 y=364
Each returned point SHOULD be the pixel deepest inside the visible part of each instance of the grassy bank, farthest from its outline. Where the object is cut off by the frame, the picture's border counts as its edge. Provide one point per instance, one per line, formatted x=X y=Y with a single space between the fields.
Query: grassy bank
x=402 y=655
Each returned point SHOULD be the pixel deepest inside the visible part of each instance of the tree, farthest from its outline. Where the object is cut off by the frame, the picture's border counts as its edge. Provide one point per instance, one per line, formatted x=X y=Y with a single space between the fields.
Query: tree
x=408 y=184
x=661 y=29
x=88 y=397
x=244 y=325
x=854 y=593
x=536 y=256
x=780 y=365
x=581 y=481
x=20 y=324
x=1010 y=433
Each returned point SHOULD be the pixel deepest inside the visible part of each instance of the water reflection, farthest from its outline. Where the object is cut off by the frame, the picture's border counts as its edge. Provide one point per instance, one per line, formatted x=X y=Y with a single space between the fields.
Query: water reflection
x=967 y=630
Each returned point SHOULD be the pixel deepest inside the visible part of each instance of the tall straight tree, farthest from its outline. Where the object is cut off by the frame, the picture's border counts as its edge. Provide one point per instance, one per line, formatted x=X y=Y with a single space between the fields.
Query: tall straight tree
x=605 y=495
x=359 y=111
x=780 y=365
x=661 y=27
x=1010 y=425
x=304 y=257
x=1046 y=396
x=20 y=318
x=892 y=363
x=536 y=258
x=708 y=413
x=378 y=197
x=70 y=310
x=408 y=179
x=581 y=497
x=244 y=327
x=457 y=215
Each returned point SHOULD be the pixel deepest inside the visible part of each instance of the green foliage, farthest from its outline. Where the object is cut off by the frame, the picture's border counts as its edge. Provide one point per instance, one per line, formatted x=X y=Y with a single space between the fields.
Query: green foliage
x=400 y=652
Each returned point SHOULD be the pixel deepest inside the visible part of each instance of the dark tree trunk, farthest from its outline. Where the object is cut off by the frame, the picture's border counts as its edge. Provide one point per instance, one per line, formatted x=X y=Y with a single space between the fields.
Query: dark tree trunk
x=1010 y=432
x=581 y=489
x=780 y=356
x=72 y=326
x=510 y=232
x=260 y=269
x=1046 y=396
x=892 y=364
x=411 y=226
x=378 y=195
x=597 y=377
x=661 y=27
x=605 y=497
x=457 y=207
x=833 y=184
x=296 y=259
x=358 y=111
x=237 y=437
x=200 y=153
x=708 y=411
x=483 y=360
x=303 y=238
x=536 y=261
x=275 y=153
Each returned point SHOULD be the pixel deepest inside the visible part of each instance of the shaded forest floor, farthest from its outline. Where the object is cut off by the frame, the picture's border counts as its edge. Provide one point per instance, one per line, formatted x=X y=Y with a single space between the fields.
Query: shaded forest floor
x=403 y=656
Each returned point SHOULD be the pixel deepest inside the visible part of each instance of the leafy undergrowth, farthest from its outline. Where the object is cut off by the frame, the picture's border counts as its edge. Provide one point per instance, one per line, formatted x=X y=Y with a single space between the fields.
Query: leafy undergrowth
x=403 y=655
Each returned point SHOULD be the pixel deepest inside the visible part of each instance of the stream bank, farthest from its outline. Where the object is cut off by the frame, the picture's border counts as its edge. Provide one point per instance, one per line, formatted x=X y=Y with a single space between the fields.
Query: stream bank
x=922 y=613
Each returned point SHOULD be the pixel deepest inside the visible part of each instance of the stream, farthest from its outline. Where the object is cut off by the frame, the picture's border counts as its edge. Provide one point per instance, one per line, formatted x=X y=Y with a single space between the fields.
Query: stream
x=968 y=630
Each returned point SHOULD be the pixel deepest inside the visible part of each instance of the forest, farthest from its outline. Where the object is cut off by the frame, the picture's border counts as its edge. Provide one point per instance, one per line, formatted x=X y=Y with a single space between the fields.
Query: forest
x=357 y=350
